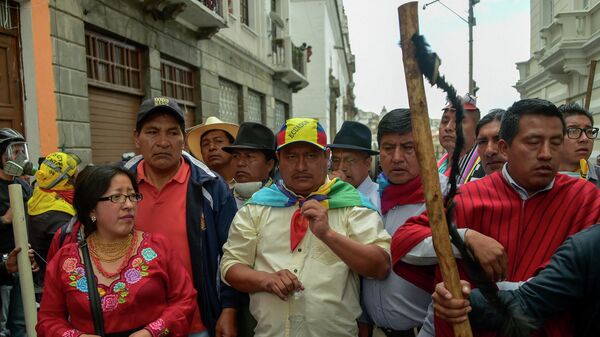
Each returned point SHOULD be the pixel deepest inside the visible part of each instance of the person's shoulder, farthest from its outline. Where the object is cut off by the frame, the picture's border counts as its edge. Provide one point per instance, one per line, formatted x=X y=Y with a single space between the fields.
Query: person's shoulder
x=588 y=235
x=487 y=182
x=66 y=251
x=199 y=169
x=155 y=238
x=584 y=188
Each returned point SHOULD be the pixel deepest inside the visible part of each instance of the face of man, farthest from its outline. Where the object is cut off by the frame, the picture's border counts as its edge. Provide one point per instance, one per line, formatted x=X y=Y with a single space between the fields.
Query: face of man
x=398 y=157
x=160 y=141
x=303 y=167
x=211 y=145
x=354 y=164
x=250 y=165
x=579 y=148
x=535 y=152
x=487 y=146
x=447 y=130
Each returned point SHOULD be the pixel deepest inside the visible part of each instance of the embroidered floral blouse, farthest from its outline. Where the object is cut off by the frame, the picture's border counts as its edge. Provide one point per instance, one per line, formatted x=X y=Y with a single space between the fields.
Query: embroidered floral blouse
x=153 y=292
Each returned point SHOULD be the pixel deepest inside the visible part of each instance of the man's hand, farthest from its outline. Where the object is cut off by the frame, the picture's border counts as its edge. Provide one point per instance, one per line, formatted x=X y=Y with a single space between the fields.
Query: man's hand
x=490 y=254
x=318 y=220
x=337 y=174
x=227 y=323
x=281 y=283
x=7 y=218
x=11 y=261
x=450 y=309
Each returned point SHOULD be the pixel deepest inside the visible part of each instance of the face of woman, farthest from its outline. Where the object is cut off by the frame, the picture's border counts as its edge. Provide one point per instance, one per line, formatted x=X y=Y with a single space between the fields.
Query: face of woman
x=116 y=219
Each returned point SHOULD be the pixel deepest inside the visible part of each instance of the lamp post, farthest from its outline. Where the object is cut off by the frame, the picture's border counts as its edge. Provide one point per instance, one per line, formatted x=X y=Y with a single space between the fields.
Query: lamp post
x=471 y=22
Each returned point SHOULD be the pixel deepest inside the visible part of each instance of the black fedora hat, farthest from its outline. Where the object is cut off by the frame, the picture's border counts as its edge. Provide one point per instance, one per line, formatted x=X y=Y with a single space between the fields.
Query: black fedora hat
x=353 y=136
x=253 y=136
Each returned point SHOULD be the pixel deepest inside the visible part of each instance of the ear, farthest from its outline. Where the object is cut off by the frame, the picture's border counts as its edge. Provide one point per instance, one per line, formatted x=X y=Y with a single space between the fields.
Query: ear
x=271 y=164
x=503 y=147
x=328 y=153
x=136 y=139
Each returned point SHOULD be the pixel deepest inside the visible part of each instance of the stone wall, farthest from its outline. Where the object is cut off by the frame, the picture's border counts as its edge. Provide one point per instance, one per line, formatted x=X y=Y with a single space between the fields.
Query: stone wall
x=212 y=59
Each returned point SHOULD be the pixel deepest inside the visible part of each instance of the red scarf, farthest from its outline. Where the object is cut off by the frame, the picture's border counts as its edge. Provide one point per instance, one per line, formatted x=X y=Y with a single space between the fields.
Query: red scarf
x=408 y=193
x=67 y=195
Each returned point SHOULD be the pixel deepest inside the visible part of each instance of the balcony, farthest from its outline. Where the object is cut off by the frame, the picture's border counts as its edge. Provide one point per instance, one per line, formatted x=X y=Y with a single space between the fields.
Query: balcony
x=205 y=16
x=569 y=41
x=289 y=63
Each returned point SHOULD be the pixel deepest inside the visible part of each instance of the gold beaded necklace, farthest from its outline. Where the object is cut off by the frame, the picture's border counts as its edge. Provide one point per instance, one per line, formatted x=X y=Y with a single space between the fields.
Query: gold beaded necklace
x=109 y=251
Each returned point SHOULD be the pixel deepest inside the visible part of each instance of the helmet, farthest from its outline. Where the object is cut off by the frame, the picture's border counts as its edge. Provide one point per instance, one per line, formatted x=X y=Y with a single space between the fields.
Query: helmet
x=7 y=136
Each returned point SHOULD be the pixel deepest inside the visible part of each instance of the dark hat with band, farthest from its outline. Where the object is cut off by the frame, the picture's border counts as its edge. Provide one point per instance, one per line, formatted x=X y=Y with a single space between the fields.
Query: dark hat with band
x=253 y=136
x=353 y=136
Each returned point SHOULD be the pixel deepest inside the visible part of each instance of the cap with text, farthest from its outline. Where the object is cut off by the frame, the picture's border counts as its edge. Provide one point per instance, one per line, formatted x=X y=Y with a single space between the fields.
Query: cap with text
x=306 y=130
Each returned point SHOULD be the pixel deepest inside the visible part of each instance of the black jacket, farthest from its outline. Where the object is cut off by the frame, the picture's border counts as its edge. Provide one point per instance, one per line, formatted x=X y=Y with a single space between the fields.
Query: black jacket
x=571 y=282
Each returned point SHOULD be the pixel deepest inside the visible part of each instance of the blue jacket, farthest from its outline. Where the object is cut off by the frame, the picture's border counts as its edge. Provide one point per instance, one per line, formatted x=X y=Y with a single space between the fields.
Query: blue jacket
x=210 y=207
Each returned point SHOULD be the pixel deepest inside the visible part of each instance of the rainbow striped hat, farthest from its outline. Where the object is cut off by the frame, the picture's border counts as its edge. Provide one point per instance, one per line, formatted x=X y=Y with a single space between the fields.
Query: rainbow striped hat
x=301 y=130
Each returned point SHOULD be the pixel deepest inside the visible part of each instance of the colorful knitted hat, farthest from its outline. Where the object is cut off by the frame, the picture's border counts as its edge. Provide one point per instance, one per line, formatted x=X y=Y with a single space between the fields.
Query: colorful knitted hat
x=301 y=130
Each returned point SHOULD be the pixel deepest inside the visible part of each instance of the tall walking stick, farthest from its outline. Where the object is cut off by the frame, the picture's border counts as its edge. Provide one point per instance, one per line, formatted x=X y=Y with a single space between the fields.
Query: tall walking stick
x=15 y=194
x=409 y=26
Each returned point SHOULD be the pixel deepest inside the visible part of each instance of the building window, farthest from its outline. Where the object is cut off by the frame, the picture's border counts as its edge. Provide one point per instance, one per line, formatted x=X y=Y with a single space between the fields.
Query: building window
x=255 y=107
x=177 y=81
x=229 y=101
x=281 y=114
x=245 y=12
x=112 y=62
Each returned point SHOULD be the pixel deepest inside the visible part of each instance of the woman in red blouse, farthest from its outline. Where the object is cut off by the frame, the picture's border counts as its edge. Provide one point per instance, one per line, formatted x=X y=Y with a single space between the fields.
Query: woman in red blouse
x=143 y=288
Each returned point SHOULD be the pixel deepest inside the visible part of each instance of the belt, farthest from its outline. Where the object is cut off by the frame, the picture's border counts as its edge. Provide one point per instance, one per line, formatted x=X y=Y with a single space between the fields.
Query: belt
x=398 y=333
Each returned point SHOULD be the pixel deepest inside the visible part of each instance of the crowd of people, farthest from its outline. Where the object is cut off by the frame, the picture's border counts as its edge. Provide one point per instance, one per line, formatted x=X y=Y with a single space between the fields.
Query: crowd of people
x=225 y=230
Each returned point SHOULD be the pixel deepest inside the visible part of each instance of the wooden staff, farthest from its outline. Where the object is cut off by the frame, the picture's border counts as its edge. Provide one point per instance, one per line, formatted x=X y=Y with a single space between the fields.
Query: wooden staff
x=15 y=193
x=590 y=84
x=409 y=25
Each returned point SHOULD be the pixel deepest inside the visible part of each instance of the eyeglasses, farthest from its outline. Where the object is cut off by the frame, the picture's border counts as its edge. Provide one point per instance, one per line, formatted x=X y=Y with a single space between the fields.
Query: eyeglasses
x=120 y=198
x=575 y=132
x=350 y=161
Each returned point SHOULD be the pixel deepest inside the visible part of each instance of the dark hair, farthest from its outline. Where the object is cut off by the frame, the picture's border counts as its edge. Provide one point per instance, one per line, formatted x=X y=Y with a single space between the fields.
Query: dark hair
x=162 y=112
x=493 y=115
x=395 y=121
x=230 y=137
x=91 y=184
x=530 y=106
x=574 y=109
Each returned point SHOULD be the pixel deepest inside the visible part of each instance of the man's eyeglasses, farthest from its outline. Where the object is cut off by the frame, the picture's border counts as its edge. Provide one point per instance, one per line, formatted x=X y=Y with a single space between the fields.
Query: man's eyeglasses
x=120 y=198
x=575 y=132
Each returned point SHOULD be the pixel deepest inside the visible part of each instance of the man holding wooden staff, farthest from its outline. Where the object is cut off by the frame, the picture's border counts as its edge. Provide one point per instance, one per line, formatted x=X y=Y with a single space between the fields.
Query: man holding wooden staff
x=516 y=218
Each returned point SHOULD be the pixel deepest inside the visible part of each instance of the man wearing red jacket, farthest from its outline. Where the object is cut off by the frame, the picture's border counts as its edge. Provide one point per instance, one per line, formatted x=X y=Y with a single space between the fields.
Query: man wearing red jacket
x=516 y=218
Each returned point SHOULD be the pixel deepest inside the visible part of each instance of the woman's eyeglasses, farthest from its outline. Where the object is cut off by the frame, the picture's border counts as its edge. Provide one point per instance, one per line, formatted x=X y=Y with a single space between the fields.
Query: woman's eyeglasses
x=120 y=198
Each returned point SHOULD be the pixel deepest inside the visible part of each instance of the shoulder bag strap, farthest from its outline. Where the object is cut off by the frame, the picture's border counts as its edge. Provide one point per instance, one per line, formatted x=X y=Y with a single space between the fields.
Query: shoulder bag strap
x=92 y=290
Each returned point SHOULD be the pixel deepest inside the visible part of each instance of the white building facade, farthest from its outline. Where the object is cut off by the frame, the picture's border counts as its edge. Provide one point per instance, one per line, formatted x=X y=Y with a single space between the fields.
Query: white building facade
x=322 y=25
x=565 y=38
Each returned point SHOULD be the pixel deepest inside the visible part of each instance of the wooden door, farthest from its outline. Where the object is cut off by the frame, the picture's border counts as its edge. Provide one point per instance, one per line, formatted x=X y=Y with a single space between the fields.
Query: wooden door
x=11 y=105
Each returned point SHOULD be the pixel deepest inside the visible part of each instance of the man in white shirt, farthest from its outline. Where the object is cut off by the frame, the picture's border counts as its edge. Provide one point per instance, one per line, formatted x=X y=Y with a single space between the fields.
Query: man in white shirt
x=351 y=159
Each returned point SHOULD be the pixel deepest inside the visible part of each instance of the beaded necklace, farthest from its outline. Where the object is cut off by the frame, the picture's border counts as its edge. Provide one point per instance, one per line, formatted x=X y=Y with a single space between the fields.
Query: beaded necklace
x=110 y=252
